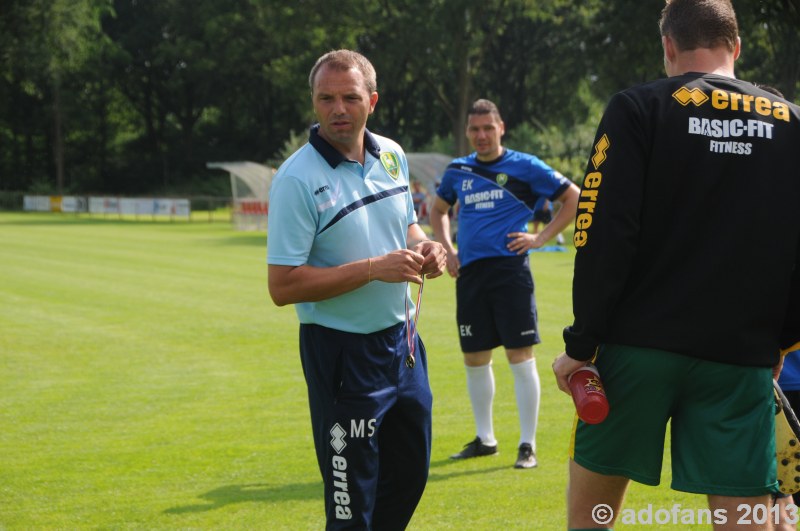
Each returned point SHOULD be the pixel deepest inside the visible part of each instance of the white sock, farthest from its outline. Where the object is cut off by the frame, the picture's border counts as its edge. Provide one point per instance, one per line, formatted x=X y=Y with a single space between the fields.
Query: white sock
x=528 y=391
x=480 y=386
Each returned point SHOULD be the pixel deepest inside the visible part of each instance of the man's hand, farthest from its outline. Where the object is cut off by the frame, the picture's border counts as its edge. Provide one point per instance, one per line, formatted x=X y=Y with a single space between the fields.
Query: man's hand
x=453 y=263
x=563 y=366
x=522 y=242
x=403 y=265
x=776 y=370
x=435 y=258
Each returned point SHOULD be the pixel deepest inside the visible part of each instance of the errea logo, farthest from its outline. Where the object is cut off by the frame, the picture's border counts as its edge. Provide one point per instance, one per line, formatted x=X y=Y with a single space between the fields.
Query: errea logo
x=341 y=495
x=337 y=441
x=685 y=96
x=600 y=151
x=341 y=489
x=733 y=101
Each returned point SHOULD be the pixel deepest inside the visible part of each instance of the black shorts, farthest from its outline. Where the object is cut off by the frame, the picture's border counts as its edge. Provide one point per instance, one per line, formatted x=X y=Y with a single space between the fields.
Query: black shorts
x=495 y=304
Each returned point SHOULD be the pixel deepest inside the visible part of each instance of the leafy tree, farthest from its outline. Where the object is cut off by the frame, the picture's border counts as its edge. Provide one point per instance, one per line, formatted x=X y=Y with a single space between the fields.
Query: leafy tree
x=158 y=64
x=135 y=96
x=434 y=64
x=69 y=28
x=623 y=45
x=23 y=151
x=771 y=43
x=48 y=42
x=295 y=33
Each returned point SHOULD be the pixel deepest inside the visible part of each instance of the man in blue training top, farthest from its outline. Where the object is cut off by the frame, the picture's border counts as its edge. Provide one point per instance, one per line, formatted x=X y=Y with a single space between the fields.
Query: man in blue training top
x=497 y=190
x=343 y=245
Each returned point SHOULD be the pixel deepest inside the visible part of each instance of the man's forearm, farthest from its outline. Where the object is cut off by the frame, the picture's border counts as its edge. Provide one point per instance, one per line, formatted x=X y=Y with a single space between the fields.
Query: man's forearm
x=441 y=229
x=305 y=283
x=565 y=215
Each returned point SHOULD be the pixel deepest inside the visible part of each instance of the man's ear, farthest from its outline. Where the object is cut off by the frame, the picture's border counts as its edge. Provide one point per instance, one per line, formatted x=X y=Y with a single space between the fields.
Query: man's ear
x=373 y=99
x=670 y=54
x=669 y=48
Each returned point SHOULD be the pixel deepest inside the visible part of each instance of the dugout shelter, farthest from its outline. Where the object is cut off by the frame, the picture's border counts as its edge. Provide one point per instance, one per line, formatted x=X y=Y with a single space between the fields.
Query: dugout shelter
x=250 y=184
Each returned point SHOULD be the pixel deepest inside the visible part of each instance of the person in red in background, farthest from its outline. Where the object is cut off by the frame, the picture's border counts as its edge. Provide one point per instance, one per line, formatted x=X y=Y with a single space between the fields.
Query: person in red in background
x=419 y=197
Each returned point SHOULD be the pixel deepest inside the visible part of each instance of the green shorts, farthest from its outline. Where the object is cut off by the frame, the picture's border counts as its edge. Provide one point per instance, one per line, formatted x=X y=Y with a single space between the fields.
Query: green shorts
x=722 y=423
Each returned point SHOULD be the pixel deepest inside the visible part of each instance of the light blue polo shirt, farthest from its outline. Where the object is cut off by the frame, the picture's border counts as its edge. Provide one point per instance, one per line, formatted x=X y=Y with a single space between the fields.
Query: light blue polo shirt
x=326 y=210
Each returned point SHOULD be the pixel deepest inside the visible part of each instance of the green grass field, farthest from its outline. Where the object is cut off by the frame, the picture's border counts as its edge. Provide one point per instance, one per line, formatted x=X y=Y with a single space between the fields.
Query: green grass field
x=147 y=382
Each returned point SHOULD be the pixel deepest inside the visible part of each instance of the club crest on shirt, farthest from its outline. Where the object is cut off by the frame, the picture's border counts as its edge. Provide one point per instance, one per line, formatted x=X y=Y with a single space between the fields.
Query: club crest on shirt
x=502 y=178
x=391 y=164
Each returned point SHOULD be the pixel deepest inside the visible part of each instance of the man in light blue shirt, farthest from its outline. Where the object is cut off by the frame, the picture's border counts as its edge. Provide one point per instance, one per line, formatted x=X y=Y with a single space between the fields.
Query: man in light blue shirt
x=343 y=245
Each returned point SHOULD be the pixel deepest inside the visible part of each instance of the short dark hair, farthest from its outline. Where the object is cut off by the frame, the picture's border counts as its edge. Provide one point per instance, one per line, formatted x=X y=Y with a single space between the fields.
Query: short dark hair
x=483 y=106
x=345 y=60
x=770 y=89
x=696 y=24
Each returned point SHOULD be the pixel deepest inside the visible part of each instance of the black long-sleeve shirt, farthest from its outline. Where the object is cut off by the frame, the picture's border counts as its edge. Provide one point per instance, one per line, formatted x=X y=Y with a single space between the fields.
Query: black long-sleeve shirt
x=688 y=226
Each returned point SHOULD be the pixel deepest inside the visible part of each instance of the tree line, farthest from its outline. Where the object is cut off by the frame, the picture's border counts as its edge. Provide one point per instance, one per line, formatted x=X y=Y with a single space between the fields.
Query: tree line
x=135 y=96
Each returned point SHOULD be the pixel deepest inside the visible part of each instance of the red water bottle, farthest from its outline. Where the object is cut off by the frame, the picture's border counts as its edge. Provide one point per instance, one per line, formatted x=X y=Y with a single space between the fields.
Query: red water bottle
x=588 y=394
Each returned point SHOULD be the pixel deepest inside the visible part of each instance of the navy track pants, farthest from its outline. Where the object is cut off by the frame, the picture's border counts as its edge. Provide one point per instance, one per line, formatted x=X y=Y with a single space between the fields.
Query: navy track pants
x=371 y=419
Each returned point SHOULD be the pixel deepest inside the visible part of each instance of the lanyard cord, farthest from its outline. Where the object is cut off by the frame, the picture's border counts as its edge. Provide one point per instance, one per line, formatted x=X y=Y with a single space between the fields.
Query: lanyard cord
x=411 y=337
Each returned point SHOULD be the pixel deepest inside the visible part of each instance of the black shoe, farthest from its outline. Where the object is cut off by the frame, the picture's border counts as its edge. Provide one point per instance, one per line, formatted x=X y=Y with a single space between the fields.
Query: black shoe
x=526 y=458
x=475 y=448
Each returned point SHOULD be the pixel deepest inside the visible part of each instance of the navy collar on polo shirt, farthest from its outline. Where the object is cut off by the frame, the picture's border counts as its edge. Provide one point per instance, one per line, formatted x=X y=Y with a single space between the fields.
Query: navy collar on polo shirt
x=331 y=154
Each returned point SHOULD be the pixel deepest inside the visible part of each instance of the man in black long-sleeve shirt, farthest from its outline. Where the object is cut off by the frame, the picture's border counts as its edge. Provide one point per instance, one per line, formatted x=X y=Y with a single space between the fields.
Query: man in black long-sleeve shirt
x=685 y=318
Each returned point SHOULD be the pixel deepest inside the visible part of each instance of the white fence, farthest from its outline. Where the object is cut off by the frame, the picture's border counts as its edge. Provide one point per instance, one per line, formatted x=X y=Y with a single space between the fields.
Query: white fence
x=154 y=207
